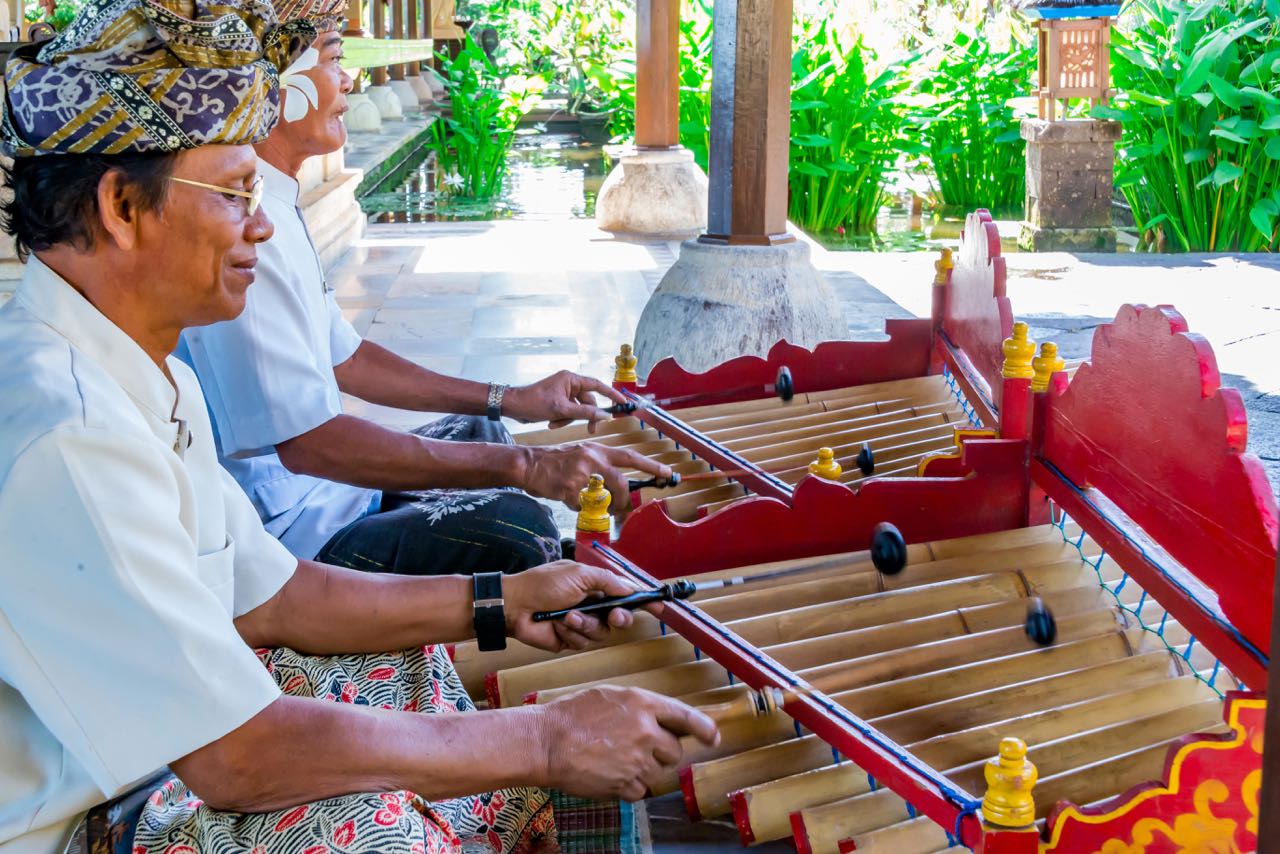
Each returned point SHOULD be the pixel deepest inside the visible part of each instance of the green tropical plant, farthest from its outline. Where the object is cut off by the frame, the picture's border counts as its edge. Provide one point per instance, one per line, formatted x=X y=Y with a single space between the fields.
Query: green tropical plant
x=969 y=127
x=695 y=79
x=472 y=141
x=846 y=130
x=1199 y=162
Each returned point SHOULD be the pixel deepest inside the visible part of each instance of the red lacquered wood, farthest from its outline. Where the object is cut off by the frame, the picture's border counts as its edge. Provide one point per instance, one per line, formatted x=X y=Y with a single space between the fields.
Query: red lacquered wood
x=690 y=796
x=1209 y=801
x=853 y=738
x=1147 y=422
x=978 y=316
x=1008 y=842
x=1015 y=411
x=1120 y=543
x=583 y=551
x=830 y=365
x=972 y=386
x=742 y=817
x=826 y=517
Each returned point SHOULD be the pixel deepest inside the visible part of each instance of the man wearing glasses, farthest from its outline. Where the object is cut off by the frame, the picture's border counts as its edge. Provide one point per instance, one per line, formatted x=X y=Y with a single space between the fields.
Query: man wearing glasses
x=445 y=498
x=146 y=617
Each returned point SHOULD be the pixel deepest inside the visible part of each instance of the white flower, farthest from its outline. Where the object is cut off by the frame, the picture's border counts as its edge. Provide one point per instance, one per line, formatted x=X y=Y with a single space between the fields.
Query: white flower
x=293 y=80
x=454 y=181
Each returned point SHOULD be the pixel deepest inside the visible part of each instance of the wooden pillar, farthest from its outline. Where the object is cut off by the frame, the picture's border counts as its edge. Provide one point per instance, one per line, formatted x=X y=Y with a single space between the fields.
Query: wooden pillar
x=378 y=21
x=397 y=33
x=355 y=20
x=750 y=122
x=658 y=74
x=1269 y=808
x=412 y=32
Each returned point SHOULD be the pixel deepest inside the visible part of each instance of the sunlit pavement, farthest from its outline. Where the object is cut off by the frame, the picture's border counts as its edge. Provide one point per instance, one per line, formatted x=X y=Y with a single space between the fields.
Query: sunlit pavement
x=515 y=300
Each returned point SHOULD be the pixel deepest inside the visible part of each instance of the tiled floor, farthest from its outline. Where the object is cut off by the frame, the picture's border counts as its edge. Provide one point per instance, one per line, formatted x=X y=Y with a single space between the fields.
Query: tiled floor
x=516 y=300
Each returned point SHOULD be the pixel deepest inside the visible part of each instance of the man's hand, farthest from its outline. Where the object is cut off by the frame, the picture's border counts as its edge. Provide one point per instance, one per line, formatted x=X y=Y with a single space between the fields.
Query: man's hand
x=613 y=742
x=560 y=399
x=559 y=472
x=558 y=585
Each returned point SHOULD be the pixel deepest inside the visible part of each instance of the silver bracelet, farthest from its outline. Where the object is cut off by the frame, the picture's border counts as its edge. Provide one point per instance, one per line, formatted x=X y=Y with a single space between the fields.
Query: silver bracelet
x=493 y=409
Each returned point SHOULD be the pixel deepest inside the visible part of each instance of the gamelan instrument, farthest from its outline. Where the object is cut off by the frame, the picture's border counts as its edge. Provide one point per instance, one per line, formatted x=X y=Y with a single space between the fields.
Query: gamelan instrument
x=1071 y=658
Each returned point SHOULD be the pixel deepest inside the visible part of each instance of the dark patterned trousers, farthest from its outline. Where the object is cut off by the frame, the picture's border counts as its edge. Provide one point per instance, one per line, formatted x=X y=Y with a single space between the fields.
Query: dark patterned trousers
x=450 y=531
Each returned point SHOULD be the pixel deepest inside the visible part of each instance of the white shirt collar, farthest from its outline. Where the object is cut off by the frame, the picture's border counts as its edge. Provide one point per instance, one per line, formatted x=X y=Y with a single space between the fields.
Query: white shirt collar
x=278 y=184
x=61 y=307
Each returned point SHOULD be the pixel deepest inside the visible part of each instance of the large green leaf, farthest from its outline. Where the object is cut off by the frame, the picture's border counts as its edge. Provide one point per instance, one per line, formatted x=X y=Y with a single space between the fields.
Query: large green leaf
x=805 y=168
x=1225 y=173
x=1225 y=92
x=1264 y=221
x=1273 y=148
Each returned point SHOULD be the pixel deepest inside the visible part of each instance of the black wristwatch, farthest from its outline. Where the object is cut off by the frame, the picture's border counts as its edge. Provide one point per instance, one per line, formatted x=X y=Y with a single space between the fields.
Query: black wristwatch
x=489 y=613
x=493 y=406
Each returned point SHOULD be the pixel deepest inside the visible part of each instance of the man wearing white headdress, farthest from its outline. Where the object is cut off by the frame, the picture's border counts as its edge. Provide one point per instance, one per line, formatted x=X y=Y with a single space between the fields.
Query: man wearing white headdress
x=453 y=496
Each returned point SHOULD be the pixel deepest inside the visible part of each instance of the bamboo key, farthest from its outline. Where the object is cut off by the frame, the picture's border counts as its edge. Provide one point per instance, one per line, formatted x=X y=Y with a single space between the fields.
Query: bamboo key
x=888 y=555
x=865 y=461
x=782 y=386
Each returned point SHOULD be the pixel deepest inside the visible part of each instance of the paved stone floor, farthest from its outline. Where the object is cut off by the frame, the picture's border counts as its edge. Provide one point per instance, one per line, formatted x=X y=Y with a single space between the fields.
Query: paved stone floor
x=515 y=300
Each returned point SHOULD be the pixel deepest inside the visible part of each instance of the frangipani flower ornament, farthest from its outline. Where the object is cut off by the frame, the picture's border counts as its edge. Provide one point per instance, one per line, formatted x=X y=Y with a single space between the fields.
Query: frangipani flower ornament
x=301 y=90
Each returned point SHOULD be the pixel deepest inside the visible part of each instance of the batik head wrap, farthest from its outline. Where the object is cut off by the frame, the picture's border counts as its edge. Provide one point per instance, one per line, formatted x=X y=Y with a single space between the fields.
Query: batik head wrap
x=147 y=76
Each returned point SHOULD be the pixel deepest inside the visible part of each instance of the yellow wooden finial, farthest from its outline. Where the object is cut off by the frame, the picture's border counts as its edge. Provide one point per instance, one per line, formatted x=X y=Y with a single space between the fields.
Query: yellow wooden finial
x=1010 y=778
x=825 y=466
x=1018 y=352
x=1046 y=365
x=944 y=265
x=624 y=365
x=593 y=500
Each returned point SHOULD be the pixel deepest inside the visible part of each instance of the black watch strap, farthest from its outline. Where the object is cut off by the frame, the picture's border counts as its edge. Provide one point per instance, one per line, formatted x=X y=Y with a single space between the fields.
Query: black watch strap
x=490 y=617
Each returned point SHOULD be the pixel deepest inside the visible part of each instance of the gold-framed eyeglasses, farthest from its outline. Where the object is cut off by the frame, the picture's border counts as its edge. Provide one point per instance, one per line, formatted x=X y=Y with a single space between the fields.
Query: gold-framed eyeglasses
x=253 y=194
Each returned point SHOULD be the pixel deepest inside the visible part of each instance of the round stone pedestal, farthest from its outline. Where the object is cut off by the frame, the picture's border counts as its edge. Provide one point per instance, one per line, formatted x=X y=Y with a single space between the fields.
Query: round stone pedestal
x=421 y=89
x=434 y=81
x=387 y=102
x=405 y=92
x=719 y=302
x=362 y=113
x=654 y=193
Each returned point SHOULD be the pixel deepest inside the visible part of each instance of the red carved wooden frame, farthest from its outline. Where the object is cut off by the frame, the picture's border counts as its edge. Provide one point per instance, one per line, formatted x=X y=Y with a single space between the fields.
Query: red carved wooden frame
x=977 y=316
x=1147 y=424
x=1210 y=801
x=985 y=492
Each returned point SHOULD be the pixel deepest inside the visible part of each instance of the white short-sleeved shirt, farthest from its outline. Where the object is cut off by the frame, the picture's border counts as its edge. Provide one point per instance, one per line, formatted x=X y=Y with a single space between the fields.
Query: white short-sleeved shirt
x=268 y=377
x=127 y=552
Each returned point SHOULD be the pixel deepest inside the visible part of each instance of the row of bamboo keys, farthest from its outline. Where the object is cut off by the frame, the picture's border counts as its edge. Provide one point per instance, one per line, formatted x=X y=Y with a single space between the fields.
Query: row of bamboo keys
x=942 y=674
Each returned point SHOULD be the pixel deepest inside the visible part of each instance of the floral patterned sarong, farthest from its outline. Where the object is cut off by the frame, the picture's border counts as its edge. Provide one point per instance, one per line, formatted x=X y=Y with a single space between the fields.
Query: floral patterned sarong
x=508 y=821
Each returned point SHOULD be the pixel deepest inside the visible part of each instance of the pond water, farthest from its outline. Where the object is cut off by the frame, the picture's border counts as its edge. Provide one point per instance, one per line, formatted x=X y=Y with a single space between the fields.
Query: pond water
x=558 y=175
x=549 y=176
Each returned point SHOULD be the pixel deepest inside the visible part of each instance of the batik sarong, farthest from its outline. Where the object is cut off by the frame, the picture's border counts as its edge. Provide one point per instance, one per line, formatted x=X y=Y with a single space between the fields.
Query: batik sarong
x=508 y=821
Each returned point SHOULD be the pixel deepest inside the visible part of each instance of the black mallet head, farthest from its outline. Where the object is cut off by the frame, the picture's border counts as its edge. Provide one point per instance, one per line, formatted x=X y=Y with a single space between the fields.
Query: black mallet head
x=866 y=460
x=783 y=386
x=1041 y=628
x=888 y=549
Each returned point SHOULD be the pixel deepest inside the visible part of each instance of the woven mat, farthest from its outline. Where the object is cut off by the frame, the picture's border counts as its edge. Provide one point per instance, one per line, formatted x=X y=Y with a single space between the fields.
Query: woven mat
x=600 y=827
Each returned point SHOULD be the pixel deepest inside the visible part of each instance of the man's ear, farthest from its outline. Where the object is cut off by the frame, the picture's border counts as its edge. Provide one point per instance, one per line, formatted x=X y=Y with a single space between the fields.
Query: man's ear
x=118 y=209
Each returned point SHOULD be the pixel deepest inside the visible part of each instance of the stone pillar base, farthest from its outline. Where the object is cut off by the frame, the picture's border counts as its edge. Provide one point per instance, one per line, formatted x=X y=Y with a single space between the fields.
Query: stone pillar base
x=654 y=193
x=404 y=90
x=422 y=89
x=386 y=100
x=435 y=81
x=1036 y=239
x=1070 y=176
x=362 y=113
x=718 y=302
